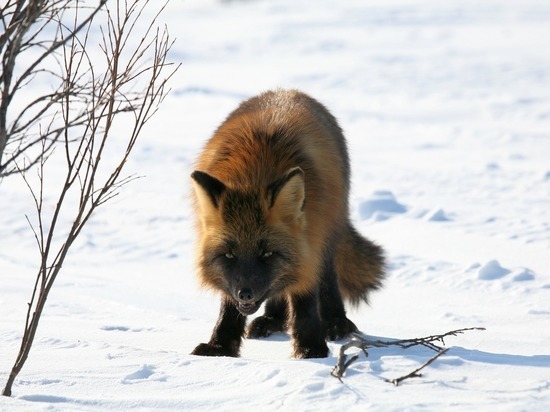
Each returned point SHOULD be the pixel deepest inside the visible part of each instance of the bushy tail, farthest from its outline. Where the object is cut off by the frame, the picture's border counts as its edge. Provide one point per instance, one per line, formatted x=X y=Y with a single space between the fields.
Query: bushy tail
x=359 y=264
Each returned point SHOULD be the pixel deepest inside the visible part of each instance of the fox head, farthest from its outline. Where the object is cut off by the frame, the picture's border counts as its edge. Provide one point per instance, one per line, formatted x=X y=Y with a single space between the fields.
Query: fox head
x=250 y=241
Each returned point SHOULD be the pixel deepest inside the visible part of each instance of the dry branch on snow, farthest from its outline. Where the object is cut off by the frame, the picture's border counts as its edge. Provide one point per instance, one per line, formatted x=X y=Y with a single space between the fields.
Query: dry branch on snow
x=362 y=342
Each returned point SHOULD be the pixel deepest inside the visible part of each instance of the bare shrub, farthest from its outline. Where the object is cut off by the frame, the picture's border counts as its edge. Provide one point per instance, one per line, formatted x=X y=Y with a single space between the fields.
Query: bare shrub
x=116 y=83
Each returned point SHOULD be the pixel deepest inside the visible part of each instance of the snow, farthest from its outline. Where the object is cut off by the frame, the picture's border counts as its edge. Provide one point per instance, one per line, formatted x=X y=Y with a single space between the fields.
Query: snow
x=491 y=271
x=446 y=108
x=380 y=206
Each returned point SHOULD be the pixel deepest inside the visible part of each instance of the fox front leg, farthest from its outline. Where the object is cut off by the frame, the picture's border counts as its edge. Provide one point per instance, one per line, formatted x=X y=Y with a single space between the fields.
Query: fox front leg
x=227 y=334
x=273 y=320
x=307 y=330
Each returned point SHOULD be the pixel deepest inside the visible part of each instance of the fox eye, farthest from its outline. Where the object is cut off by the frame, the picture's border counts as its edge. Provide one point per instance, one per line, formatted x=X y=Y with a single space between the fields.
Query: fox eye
x=267 y=254
x=229 y=255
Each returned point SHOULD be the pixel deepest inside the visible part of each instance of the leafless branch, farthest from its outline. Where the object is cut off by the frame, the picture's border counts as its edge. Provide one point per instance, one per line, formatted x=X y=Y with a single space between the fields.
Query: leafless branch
x=125 y=88
x=362 y=342
x=427 y=341
x=414 y=373
x=26 y=24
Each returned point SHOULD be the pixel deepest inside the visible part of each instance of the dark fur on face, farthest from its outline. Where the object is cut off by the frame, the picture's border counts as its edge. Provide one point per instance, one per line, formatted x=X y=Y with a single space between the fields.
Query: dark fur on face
x=249 y=260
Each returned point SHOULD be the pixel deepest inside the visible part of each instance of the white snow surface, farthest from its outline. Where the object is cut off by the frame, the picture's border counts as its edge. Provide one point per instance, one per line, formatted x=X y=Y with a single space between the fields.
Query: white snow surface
x=446 y=108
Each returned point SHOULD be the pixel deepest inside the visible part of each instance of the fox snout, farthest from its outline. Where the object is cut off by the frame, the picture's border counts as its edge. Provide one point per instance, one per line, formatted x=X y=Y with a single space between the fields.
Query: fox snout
x=248 y=302
x=245 y=295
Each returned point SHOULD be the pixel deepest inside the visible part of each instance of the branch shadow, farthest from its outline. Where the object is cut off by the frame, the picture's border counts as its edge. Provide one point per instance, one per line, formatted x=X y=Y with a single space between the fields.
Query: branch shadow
x=474 y=355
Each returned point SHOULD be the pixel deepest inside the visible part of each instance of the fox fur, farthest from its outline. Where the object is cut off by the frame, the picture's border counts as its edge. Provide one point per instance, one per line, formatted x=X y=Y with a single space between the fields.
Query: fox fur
x=271 y=197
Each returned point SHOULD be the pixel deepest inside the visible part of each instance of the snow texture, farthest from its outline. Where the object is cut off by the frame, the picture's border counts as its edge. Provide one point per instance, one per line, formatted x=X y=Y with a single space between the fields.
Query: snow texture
x=446 y=108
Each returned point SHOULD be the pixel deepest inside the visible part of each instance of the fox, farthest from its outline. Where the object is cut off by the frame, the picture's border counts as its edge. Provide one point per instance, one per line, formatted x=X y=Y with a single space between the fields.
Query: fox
x=271 y=195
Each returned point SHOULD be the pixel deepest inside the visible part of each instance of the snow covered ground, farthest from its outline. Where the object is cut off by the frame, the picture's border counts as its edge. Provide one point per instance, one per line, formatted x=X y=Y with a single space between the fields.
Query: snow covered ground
x=446 y=107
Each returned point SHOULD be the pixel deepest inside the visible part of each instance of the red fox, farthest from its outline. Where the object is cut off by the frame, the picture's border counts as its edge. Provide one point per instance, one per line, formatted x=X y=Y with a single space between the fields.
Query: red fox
x=271 y=194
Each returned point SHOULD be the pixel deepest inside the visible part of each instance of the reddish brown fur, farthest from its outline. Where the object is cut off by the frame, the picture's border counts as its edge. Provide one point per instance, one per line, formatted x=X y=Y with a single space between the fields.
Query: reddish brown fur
x=277 y=171
x=254 y=166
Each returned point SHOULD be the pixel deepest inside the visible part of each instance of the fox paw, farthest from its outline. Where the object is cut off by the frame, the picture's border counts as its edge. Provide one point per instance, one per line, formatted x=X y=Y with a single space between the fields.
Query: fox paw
x=339 y=328
x=208 y=349
x=307 y=352
x=264 y=326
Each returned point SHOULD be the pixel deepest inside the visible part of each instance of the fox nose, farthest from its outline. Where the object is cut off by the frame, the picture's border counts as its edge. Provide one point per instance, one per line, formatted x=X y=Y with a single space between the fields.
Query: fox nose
x=246 y=295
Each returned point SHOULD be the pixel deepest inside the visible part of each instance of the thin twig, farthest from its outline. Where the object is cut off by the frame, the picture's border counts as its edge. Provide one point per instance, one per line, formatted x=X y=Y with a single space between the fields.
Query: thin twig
x=414 y=373
x=362 y=342
x=343 y=362
x=98 y=96
x=427 y=341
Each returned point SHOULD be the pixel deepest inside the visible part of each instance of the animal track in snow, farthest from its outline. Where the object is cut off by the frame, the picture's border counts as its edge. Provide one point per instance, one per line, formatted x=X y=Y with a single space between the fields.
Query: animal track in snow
x=144 y=373
x=492 y=270
x=436 y=215
x=116 y=328
x=381 y=205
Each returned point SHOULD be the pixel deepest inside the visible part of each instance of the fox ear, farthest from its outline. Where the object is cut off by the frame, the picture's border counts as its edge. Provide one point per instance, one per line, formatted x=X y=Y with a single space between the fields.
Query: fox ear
x=287 y=195
x=208 y=190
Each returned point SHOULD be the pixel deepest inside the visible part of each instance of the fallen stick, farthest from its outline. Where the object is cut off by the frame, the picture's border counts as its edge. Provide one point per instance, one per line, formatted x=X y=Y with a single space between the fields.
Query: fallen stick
x=415 y=374
x=362 y=342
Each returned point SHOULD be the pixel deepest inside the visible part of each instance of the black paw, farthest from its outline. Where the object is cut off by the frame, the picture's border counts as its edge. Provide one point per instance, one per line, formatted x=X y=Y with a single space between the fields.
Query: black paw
x=339 y=328
x=264 y=326
x=316 y=351
x=207 y=349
